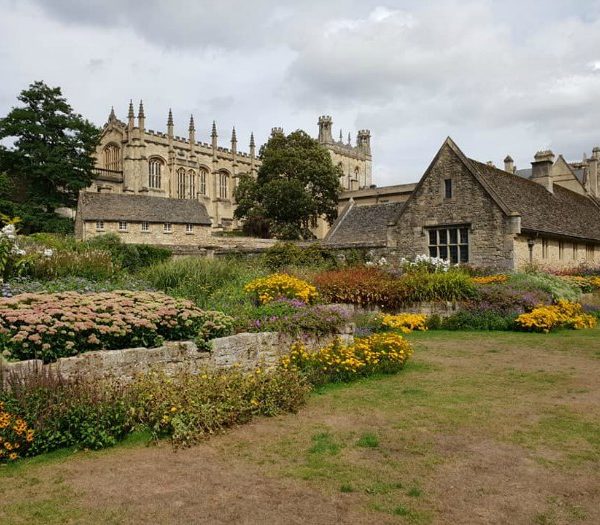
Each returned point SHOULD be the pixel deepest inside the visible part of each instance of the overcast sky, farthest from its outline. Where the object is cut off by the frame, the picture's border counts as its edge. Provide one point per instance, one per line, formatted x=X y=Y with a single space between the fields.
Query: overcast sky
x=509 y=76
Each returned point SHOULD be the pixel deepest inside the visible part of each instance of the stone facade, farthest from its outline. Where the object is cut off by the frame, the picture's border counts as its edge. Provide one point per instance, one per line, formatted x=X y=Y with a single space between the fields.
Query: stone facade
x=131 y=159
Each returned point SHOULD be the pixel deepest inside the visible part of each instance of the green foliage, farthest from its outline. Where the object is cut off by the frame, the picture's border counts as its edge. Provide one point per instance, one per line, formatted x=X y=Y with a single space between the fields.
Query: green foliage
x=296 y=184
x=69 y=283
x=50 y=160
x=215 y=324
x=81 y=413
x=90 y=264
x=558 y=288
x=486 y=320
x=215 y=284
x=287 y=254
x=131 y=257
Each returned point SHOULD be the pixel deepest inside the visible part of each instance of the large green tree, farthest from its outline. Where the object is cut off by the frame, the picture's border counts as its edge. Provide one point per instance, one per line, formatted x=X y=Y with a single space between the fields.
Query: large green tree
x=296 y=184
x=47 y=155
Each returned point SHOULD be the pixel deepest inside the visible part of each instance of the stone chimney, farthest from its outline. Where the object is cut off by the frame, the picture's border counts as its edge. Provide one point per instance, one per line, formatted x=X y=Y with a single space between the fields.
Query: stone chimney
x=509 y=164
x=541 y=171
x=592 y=172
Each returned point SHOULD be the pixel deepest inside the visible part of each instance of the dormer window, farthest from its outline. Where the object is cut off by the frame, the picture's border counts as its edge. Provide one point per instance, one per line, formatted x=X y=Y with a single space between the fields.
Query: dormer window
x=447 y=188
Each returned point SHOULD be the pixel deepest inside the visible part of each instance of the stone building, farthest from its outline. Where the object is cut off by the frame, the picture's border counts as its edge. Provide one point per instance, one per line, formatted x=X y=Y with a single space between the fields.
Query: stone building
x=142 y=219
x=471 y=212
x=133 y=160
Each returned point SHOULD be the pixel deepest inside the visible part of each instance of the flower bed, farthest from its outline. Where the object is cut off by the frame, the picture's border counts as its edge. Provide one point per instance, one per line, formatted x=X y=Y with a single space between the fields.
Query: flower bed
x=281 y=285
x=15 y=435
x=564 y=314
x=48 y=326
x=336 y=362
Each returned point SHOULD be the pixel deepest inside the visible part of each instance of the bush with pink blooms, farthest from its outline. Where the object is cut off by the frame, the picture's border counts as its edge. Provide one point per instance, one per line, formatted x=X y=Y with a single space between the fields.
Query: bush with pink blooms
x=49 y=326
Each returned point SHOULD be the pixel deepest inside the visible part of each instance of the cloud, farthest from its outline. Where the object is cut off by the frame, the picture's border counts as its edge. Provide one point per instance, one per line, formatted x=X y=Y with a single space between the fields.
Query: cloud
x=501 y=77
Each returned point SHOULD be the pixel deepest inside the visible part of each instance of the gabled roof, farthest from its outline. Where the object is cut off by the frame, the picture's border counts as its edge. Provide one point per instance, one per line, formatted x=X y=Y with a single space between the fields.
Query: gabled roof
x=139 y=208
x=363 y=225
x=562 y=212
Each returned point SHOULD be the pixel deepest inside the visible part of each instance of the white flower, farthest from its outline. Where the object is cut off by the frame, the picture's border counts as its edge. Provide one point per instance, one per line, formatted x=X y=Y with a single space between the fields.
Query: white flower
x=17 y=251
x=48 y=252
x=369 y=263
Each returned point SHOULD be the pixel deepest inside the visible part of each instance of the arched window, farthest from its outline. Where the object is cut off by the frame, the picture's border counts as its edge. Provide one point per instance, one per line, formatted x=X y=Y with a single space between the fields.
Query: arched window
x=223 y=183
x=202 y=182
x=154 y=173
x=112 y=157
x=181 y=183
x=192 y=183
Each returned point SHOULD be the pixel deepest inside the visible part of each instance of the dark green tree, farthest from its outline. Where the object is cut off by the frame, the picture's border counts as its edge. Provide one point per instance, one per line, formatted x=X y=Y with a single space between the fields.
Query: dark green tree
x=296 y=184
x=49 y=156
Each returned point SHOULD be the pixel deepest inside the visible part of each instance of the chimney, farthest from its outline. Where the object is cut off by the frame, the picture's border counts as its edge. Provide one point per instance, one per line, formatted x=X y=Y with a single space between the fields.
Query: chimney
x=592 y=173
x=541 y=171
x=509 y=164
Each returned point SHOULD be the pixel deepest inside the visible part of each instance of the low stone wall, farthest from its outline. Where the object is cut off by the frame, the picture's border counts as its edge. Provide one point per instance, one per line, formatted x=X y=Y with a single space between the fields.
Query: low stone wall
x=246 y=350
x=443 y=309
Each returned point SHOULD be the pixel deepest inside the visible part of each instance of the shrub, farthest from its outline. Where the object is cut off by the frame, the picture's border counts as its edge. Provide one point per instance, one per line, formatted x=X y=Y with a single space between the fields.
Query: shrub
x=467 y=320
x=564 y=314
x=90 y=264
x=555 y=286
x=336 y=362
x=287 y=254
x=49 y=326
x=83 y=412
x=131 y=257
x=505 y=299
x=405 y=323
x=215 y=324
x=188 y=407
x=374 y=286
x=303 y=319
x=15 y=435
x=215 y=284
x=281 y=285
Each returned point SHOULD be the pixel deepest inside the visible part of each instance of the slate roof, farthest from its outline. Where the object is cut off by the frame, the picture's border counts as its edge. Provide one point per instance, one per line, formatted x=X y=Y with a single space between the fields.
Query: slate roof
x=363 y=225
x=563 y=212
x=525 y=173
x=138 y=208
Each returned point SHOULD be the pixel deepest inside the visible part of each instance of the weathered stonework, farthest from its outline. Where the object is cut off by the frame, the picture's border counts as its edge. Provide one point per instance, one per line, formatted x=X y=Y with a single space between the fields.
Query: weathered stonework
x=246 y=350
x=490 y=235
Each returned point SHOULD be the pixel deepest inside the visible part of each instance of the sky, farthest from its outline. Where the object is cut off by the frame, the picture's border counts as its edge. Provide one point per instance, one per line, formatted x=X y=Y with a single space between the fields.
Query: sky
x=499 y=77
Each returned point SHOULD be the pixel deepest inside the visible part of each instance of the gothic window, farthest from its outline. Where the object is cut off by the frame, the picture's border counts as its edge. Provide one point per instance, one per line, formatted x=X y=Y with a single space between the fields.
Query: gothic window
x=450 y=243
x=192 y=183
x=154 y=173
x=181 y=183
x=112 y=157
x=202 y=182
x=223 y=185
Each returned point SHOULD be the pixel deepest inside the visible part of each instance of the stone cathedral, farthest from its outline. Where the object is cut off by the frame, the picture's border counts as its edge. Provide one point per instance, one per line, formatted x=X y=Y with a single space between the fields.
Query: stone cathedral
x=133 y=160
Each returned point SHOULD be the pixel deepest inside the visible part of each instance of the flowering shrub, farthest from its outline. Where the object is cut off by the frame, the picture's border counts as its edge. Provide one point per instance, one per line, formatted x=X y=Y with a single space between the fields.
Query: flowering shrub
x=374 y=286
x=49 y=326
x=378 y=353
x=504 y=299
x=15 y=435
x=405 y=323
x=187 y=407
x=425 y=263
x=586 y=284
x=297 y=318
x=279 y=285
x=215 y=324
x=490 y=279
x=563 y=314
x=538 y=281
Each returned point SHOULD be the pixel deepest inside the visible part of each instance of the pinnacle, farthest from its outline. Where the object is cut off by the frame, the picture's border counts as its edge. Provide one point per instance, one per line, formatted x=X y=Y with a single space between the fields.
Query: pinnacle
x=233 y=135
x=170 y=118
x=252 y=140
x=141 y=110
x=214 y=129
x=192 y=127
x=131 y=114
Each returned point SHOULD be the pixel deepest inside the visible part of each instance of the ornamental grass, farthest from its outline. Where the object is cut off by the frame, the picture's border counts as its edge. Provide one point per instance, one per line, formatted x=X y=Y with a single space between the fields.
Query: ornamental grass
x=384 y=353
x=281 y=286
x=563 y=314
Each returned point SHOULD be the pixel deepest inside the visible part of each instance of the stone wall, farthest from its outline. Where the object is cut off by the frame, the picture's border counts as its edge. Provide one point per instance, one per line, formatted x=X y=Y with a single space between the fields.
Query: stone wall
x=490 y=243
x=246 y=350
x=557 y=254
x=156 y=235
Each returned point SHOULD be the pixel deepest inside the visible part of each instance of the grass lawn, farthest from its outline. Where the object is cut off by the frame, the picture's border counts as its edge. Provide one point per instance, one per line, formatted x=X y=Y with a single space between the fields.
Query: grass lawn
x=479 y=428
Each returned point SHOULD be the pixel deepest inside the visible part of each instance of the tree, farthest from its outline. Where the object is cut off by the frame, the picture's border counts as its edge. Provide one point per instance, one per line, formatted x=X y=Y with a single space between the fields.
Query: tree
x=50 y=158
x=296 y=184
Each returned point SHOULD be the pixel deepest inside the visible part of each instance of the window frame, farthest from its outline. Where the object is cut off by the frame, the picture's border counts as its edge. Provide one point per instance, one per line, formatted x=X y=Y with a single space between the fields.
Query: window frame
x=452 y=242
x=202 y=176
x=181 y=183
x=167 y=227
x=145 y=226
x=189 y=228
x=223 y=185
x=100 y=225
x=155 y=166
x=122 y=226
x=448 y=189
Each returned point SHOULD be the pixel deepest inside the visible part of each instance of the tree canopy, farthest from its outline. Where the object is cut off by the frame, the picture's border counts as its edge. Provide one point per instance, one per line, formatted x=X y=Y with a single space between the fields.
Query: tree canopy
x=296 y=184
x=46 y=156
